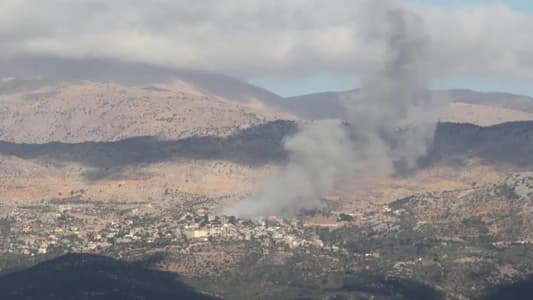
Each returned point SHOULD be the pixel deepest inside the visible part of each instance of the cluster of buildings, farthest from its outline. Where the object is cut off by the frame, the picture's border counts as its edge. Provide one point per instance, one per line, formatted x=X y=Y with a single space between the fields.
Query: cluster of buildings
x=268 y=232
x=48 y=228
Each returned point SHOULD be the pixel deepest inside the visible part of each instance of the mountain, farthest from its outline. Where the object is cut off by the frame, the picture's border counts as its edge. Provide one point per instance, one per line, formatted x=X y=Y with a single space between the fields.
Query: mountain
x=465 y=106
x=95 y=111
x=497 y=99
x=45 y=70
x=459 y=143
x=41 y=75
x=481 y=114
x=326 y=105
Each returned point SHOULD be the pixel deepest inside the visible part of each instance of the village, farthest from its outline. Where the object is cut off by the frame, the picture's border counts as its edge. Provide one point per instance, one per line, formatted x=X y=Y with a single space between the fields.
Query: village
x=76 y=225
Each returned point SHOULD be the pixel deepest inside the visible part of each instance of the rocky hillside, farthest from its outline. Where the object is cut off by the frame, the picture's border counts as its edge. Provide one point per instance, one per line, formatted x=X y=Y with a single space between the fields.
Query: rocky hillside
x=250 y=146
x=92 y=111
x=504 y=144
x=502 y=210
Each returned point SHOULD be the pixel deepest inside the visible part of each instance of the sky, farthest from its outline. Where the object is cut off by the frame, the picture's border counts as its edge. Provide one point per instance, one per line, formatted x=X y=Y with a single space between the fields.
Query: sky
x=289 y=47
x=331 y=82
x=521 y=5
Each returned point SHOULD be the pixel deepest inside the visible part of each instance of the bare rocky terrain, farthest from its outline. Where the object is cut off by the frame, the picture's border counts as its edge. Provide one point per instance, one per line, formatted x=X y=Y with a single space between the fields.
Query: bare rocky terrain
x=94 y=111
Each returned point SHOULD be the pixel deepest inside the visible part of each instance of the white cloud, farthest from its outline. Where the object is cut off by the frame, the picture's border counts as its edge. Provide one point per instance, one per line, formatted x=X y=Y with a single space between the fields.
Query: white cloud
x=255 y=37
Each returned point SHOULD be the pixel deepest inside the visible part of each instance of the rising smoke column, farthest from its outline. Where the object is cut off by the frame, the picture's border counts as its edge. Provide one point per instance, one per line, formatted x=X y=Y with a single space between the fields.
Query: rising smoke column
x=318 y=154
x=391 y=123
x=392 y=117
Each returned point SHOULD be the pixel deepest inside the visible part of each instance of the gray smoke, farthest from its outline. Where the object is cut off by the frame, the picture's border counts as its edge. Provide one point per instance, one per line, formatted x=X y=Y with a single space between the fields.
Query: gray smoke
x=393 y=118
x=391 y=123
x=318 y=154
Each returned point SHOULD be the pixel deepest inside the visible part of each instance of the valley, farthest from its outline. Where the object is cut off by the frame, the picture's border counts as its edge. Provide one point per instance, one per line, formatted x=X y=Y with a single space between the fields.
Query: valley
x=269 y=150
x=94 y=169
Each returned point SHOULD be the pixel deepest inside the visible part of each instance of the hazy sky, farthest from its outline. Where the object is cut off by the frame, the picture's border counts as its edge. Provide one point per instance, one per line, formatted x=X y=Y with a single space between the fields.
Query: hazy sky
x=290 y=47
x=474 y=80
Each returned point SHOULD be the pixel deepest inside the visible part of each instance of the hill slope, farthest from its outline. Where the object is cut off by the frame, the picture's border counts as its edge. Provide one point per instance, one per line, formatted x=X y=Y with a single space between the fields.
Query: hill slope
x=44 y=70
x=94 y=111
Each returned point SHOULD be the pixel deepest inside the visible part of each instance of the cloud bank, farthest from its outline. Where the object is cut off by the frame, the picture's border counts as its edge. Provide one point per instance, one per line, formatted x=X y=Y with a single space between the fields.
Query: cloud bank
x=253 y=37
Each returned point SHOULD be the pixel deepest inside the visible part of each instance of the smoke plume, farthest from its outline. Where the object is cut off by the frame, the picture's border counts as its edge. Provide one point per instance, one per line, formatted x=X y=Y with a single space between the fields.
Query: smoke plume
x=318 y=154
x=392 y=117
x=391 y=122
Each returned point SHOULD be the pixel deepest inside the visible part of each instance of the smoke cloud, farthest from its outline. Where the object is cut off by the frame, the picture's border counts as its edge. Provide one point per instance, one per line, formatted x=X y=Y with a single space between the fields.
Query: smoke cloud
x=318 y=154
x=390 y=124
x=393 y=118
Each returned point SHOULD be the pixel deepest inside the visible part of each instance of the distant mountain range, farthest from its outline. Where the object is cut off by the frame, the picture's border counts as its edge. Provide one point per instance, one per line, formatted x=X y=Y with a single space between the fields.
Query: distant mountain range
x=466 y=106
x=50 y=99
